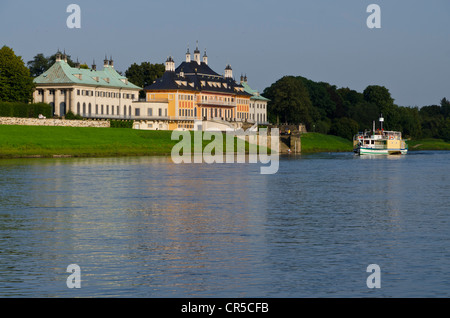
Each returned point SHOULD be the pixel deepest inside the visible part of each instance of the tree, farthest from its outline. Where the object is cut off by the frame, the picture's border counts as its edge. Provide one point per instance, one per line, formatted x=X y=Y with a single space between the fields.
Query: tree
x=344 y=127
x=381 y=96
x=290 y=102
x=445 y=104
x=320 y=95
x=38 y=65
x=16 y=84
x=144 y=74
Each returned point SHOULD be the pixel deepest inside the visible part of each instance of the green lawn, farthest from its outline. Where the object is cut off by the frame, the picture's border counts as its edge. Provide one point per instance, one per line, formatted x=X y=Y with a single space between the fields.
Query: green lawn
x=315 y=142
x=428 y=144
x=29 y=141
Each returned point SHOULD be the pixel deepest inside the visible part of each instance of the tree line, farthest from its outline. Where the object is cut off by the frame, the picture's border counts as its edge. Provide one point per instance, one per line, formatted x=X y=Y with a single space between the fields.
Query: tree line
x=320 y=106
x=324 y=108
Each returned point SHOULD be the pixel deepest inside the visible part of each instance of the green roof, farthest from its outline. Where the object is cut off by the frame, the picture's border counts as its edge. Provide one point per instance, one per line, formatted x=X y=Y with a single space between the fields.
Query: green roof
x=63 y=73
x=255 y=93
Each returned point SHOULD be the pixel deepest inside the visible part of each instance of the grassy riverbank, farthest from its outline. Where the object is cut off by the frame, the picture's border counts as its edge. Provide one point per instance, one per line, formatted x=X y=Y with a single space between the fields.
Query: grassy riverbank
x=39 y=141
x=28 y=141
x=315 y=142
x=428 y=144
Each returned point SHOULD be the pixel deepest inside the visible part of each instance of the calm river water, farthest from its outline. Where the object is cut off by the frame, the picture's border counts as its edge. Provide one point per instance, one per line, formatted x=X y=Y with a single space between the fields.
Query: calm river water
x=145 y=227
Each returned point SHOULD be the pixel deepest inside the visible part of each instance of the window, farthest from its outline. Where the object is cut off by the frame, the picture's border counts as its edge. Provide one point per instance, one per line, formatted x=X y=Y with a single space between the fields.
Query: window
x=78 y=92
x=137 y=112
x=102 y=110
x=159 y=112
x=165 y=112
x=118 y=110
x=150 y=112
x=96 y=109
x=90 y=109
x=150 y=125
x=84 y=108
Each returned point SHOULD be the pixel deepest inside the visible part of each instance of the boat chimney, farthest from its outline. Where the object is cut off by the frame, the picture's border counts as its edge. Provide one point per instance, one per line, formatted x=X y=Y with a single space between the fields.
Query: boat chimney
x=381 y=121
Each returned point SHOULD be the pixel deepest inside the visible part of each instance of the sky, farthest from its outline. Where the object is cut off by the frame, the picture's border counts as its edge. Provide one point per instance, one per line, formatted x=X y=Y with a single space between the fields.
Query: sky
x=323 y=40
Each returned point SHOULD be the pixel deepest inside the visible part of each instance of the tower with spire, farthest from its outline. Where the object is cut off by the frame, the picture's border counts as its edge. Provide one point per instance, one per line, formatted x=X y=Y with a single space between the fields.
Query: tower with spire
x=197 y=54
x=170 y=64
x=205 y=58
x=228 y=71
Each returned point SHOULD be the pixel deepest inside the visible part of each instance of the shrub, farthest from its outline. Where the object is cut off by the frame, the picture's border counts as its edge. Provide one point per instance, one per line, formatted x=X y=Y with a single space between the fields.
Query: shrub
x=121 y=123
x=72 y=116
x=25 y=110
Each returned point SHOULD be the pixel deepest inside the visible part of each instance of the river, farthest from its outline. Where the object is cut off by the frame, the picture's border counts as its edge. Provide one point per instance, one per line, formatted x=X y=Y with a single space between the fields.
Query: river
x=146 y=227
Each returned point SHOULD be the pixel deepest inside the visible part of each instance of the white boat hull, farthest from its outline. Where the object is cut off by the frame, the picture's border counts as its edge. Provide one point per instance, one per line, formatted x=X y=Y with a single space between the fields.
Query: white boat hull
x=372 y=151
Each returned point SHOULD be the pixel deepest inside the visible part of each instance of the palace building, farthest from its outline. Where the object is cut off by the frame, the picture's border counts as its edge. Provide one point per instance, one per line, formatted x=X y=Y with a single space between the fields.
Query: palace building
x=191 y=96
x=90 y=93
x=195 y=93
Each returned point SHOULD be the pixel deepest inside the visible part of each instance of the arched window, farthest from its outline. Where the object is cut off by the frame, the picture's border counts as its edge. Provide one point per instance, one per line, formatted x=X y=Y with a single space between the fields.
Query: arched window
x=124 y=111
x=78 y=108
x=129 y=111
x=84 y=109
x=89 y=109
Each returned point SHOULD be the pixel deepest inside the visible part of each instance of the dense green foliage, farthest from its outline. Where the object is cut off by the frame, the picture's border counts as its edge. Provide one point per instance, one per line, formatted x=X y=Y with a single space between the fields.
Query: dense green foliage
x=326 y=109
x=121 y=123
x=72 y=116
x=16 y=84
x=25 y=110
x=144 y=74
x=39 y=64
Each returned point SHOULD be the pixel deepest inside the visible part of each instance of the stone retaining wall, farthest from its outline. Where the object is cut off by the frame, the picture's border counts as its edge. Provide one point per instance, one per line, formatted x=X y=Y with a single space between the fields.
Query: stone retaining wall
x=53 y=122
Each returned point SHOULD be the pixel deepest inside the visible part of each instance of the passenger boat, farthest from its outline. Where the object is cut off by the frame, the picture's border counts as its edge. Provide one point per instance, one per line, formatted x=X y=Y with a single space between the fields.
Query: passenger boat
x=379 y=142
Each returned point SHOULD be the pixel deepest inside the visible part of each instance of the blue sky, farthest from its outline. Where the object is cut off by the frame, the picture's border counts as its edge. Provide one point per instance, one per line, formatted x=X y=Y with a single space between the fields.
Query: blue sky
x=323 y=40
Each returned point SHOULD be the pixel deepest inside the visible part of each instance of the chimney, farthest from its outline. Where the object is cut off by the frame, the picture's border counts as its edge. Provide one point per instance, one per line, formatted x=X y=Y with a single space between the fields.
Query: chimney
x=111 y=62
